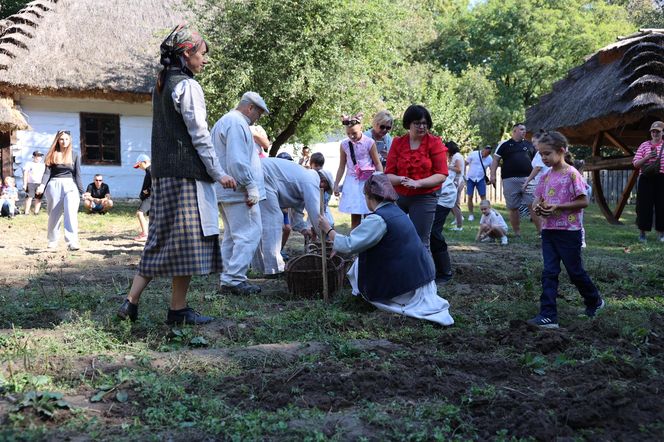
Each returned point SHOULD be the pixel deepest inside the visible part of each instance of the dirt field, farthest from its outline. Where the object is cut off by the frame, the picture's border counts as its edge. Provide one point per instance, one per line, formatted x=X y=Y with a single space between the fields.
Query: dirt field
x=276 y=368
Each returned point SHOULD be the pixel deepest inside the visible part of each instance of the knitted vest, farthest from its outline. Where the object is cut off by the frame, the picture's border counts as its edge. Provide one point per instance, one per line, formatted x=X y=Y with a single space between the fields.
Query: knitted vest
x=399 y=263
x=173 y=153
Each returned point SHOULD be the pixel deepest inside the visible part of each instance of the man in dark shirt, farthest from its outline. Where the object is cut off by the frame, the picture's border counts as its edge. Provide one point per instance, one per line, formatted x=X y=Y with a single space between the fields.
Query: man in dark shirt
x=515 y=156
x=97 y=197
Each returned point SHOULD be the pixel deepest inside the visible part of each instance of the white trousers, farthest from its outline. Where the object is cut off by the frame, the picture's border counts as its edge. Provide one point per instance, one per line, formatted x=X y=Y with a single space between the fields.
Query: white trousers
x=421 y=303
x=242 y=233
x=268 y=260
x=63 y=199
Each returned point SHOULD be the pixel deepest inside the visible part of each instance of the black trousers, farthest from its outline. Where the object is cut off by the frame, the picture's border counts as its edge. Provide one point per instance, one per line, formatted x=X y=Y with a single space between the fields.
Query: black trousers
x=649 y=200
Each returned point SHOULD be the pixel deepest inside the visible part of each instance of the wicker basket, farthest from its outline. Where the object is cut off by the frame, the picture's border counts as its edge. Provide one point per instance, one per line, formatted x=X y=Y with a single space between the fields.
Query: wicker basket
x=304 y=275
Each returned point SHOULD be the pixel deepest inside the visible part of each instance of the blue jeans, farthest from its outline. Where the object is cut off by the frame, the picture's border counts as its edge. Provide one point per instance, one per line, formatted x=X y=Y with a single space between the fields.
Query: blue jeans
x=563 y=245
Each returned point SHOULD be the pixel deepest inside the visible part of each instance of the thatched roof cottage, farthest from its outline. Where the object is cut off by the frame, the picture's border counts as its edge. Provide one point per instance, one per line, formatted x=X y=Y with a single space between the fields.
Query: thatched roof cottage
x=86 y=66
x=609 y=101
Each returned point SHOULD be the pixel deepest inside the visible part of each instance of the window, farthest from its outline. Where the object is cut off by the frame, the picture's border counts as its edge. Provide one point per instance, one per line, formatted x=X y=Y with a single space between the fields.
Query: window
x=100 y=139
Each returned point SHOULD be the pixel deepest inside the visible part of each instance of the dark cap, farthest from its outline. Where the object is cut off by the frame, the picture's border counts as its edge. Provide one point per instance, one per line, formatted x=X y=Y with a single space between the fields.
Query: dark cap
x=37 y=153
x=285 y=156
x=379 y=185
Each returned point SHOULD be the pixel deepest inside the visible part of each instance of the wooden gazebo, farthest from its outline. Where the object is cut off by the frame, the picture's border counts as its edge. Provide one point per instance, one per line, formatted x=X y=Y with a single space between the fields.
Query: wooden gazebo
x=608 y=103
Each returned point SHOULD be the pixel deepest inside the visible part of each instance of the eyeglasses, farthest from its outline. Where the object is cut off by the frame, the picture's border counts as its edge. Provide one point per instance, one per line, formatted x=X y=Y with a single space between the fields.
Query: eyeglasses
x=383 y=127
x=655 y=130
x=351 y=122
x=420 y=123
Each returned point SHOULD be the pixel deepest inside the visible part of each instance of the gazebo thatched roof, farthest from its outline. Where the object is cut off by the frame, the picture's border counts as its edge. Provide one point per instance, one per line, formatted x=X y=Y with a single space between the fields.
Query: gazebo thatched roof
x=620 y=84
x=85 y=48
x=10 y=117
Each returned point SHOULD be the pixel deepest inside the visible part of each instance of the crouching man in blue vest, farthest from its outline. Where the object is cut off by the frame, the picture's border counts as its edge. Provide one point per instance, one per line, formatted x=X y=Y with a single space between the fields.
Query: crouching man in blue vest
x=393 y=270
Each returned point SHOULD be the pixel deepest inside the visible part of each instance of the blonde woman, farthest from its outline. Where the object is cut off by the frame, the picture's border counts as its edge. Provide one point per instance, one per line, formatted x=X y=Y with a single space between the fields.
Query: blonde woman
x=380 y=132
x=62 y=186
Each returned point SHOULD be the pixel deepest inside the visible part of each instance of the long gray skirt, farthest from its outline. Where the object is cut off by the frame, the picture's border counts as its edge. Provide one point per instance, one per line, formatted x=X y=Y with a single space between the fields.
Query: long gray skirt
x=176 y=245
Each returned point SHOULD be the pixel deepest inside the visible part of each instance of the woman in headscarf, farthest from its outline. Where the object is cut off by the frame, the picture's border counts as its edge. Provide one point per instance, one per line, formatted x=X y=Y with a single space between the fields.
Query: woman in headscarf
x=183 y=232
x=393 y=270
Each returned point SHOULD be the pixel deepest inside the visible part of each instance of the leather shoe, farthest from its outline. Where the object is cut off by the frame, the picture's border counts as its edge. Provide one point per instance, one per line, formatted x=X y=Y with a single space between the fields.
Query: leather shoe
x=128 y=310
x=187 y=316
x=243 y=288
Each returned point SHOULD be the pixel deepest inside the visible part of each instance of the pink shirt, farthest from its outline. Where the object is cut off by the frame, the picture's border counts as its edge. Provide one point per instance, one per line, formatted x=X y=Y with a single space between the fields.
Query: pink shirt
x=557 y=188
x=644 y=150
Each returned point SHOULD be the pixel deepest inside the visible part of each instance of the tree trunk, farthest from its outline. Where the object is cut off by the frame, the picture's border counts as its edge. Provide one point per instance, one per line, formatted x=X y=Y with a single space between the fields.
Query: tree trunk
x=292 y=125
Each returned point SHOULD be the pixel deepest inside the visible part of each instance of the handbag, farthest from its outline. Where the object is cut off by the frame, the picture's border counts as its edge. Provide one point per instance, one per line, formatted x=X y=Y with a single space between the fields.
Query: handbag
x=653 y=168
x=362 y=173
x=486 y=178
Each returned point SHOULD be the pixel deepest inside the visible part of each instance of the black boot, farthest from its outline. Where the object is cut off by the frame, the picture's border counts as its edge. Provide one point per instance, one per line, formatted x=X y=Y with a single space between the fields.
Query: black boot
x=443 y=267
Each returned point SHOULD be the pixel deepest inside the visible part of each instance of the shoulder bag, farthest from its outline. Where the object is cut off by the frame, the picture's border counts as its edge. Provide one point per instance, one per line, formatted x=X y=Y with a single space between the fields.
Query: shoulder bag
x=486 y=178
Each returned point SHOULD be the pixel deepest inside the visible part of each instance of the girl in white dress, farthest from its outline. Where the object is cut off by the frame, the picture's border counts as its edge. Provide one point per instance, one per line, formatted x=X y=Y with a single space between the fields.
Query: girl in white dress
x=358 y=160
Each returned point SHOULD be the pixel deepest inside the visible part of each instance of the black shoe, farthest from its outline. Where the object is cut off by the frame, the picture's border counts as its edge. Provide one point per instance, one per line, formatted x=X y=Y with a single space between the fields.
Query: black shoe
x=187 y=316
x=443 y=279
x=128 y=310
x=243 y=288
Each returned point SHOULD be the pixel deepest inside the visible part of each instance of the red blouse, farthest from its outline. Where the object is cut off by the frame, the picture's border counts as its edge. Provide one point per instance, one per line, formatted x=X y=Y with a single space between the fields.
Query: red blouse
x=429 y=159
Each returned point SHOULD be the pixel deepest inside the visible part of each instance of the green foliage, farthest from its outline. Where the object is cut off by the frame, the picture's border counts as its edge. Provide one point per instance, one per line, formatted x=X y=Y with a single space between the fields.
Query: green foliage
x=43 y=403
x=526 y=46
x=10 y=7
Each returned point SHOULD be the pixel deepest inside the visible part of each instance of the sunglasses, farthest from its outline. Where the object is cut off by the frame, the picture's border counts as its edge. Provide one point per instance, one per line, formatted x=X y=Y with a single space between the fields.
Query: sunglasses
x=383 y=127
x=351 y=122
x=99 y=180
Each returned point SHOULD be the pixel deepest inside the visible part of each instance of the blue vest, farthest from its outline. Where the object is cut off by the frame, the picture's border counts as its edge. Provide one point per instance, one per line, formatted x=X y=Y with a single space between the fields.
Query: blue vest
x=399 y=263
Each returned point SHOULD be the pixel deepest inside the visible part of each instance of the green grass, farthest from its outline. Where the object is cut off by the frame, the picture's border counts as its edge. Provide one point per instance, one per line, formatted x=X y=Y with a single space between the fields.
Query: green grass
x=61 y=336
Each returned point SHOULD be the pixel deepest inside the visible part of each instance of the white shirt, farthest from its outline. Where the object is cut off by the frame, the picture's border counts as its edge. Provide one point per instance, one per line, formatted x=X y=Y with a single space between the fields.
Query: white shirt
x=448 y=194
x=297 y=188
x=457 y=157
x=189 y=102
x=369 y=233
x=234 y=144
x=537 y=162
x=34 y=171
x=494 y=219
x=475 y=168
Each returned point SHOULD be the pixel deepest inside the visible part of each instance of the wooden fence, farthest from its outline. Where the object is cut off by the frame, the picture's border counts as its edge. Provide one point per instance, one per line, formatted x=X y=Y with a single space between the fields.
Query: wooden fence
x=613 y=183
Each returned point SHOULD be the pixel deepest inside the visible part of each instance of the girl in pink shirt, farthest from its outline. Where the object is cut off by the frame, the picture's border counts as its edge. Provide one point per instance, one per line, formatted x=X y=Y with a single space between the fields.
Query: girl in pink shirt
x=560 y=198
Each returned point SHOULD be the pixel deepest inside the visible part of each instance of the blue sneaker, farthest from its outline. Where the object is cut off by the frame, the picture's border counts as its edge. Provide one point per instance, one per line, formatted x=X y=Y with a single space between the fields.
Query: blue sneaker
x=592 y=311
x=541 y=321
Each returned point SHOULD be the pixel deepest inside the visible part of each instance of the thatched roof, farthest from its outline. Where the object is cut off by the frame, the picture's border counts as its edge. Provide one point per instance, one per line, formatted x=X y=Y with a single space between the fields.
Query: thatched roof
x=618 y=85
x=11 y=118
x=85 y=48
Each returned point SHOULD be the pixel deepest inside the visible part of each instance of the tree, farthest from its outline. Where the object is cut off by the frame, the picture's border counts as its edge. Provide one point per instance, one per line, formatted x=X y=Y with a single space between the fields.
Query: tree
x=10 y=7
x=526 y=45
x=311 y=60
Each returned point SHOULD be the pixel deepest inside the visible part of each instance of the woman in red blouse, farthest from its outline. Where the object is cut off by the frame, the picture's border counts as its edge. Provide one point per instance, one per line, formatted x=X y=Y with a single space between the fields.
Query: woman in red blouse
x=417 y=166
x=650 y=190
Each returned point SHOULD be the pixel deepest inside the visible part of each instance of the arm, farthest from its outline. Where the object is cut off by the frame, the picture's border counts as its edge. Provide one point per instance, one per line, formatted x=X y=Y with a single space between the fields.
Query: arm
x=77 y=173
x=311 y=194
x=190 y=101
x=260 y=137
x=375 y=157
x=532 y=175
x=644 y=154
x=580 y=202
x=370 y=231
x=340 y=170
x=458 y=164
x=26 y=171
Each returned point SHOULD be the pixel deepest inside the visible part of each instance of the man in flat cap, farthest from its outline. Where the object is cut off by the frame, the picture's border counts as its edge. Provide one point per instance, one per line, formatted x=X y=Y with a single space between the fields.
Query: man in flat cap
x=234 y=143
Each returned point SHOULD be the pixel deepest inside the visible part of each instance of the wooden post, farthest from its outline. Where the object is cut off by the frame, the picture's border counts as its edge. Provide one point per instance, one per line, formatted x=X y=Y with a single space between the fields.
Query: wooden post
x=323 y=248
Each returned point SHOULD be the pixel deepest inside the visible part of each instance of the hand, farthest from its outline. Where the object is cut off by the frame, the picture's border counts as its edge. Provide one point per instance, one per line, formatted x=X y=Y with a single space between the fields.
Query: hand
x=323 y=223
x=228 y=182
x=40 y=189
x=524 y=185
x=252 y=195
x=307 y=233
x=409 y=182
x=547 y=210
x=492 y=180
x=336 y=190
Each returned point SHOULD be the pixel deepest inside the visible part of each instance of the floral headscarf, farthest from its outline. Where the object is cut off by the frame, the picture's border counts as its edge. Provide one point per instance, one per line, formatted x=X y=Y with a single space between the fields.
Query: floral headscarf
x=179 y=40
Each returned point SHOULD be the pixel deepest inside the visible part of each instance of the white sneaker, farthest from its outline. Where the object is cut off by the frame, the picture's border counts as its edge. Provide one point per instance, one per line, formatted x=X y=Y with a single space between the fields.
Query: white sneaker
x=503 y=240
x=52 y=245
x=471 y=218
